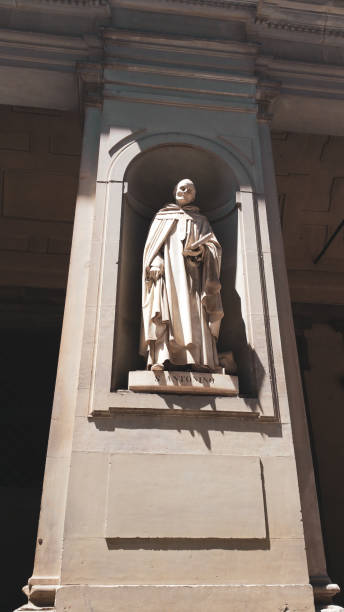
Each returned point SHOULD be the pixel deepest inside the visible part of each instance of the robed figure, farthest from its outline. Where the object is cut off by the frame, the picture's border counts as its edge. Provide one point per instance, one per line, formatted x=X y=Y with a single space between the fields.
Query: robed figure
x=181 y=301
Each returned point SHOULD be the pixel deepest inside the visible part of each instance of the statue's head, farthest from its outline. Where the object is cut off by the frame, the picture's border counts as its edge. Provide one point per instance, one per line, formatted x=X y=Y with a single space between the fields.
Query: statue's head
x=184 y=192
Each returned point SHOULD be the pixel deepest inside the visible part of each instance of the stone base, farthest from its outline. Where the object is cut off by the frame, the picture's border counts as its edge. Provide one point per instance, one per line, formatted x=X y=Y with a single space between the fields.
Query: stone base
x=183 y=382
x=324 y=591
x=185 y=598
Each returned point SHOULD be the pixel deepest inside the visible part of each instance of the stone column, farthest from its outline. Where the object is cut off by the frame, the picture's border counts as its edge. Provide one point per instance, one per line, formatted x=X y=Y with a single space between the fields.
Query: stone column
x=42 y=585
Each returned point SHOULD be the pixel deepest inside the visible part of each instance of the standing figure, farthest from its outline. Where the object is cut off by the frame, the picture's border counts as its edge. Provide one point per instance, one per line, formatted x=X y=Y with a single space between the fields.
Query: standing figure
x=181 y=301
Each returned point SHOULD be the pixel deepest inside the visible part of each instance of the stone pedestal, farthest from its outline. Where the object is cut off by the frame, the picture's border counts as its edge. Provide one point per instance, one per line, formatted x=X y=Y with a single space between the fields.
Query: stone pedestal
x=183 y=382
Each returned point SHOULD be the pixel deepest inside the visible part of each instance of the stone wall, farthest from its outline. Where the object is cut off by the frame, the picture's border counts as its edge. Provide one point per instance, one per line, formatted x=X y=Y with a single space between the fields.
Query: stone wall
x=310 y=182
x=39 y=166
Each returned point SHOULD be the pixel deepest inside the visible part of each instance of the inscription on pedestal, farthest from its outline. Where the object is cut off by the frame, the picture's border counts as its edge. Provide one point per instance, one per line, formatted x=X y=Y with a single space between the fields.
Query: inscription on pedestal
x=183 y=378
x=183 y=382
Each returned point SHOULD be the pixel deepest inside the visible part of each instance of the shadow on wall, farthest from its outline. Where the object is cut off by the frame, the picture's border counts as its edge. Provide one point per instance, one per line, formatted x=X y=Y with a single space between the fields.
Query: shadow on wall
x=204 y=426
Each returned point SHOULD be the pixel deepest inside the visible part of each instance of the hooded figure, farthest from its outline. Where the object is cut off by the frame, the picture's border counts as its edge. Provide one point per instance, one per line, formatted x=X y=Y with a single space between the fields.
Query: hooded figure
x=181 y=301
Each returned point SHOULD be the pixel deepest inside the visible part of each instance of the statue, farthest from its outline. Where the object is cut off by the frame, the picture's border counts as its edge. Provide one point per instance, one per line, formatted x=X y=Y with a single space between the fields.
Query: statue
x=181 y=301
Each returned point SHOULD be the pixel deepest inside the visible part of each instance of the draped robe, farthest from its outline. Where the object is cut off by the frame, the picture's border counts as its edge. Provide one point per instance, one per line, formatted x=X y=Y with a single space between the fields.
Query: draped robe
x=182 y=310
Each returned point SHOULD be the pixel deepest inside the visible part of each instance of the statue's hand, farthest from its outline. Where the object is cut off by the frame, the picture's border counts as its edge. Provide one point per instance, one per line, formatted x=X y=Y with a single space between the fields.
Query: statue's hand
x=156 y=269
x=155 y=273
x=194 y=256
x=193 y=252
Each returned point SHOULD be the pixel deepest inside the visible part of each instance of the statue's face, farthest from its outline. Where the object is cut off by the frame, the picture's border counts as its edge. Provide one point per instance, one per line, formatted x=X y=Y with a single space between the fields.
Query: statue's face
x=185 y=192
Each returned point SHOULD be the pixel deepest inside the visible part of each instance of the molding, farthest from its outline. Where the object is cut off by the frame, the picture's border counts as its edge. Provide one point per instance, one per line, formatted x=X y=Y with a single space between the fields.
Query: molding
x=266 y=309
x=182 y=73
x=221 y=4
x=303 y=78
x=180 y=103
x=169 y=68
x=69 y=4
x=183 y=43
x=80 y=3
x=224 y=4
x=324 y=591
x=209 y=9
x=318 y=20
x=298 y=28
x=40 y=596
x=42 y=50
x=177 y=405
x=42 y=39
x=178 y=56
x=90 y=80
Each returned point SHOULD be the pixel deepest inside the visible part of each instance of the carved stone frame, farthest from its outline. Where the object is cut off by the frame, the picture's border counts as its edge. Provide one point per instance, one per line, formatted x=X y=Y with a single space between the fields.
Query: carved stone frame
x=255 y=285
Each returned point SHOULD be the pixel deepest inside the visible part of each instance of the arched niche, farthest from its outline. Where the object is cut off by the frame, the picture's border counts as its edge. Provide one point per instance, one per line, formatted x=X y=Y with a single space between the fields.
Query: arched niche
x=124 y=152
x=149 y=179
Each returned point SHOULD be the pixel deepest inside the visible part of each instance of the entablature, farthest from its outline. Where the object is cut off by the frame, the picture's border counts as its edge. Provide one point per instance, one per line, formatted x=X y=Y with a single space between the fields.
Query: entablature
x=216 y=52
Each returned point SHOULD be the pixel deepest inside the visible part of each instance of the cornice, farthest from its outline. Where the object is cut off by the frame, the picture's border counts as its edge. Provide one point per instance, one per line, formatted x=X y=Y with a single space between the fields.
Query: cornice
x=304 y=69
x=182 y=43
x=85 y=9
x=206 y=8
x=304 y=17
x=298 y=27
x=65 y=3
x=290 y=26
x=303 y=78
x=48 y=41
x=223 y=4
x=179 y=73
x=173 y=61
x=36 y=50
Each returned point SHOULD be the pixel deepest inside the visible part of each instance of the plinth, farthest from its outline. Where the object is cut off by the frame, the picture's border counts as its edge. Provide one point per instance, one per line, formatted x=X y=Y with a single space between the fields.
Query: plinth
x=183 y=382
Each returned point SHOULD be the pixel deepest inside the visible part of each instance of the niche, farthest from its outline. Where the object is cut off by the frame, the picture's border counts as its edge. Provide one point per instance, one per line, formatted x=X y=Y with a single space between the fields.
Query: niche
x=149 y=182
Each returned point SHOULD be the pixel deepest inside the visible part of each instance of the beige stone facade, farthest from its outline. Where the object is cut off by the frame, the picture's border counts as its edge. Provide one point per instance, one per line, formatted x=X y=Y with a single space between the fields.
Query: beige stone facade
x=157 y=501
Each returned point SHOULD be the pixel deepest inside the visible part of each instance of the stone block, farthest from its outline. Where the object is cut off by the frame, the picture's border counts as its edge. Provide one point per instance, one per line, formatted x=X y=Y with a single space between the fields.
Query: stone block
x=15 y=141
x=65 y=142
x=282 y=492
x=87 y=493
x=92 y=560
x=185 y=496
x=36 y=194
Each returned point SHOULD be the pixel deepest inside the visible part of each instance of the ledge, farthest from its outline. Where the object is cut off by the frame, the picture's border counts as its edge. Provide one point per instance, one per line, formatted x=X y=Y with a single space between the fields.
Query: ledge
x=124 y=402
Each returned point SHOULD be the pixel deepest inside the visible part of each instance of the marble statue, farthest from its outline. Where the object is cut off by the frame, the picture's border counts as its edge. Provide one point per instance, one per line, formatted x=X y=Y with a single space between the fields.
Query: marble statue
x=181 y=301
